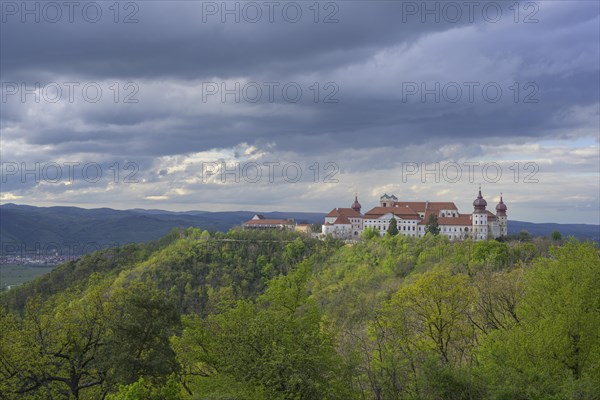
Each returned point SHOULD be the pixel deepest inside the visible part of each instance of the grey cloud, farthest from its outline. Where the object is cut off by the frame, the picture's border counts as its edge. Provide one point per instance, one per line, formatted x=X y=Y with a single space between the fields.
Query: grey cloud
x=369 y=54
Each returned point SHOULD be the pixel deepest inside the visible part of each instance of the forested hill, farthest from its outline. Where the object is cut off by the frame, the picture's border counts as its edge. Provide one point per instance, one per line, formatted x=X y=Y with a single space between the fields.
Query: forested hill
x=29 y=228
x=277 y=315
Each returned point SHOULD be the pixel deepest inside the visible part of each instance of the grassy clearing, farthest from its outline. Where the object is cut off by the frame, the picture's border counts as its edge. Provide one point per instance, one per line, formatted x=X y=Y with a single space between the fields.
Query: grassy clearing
x=13 y=274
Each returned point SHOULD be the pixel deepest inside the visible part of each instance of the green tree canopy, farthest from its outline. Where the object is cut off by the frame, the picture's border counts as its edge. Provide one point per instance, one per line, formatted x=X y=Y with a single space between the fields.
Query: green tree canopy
x=556 y=236
x=393 y=228
x=433 y=226
x=275 y=348
x=554 y=350
x=369 y=233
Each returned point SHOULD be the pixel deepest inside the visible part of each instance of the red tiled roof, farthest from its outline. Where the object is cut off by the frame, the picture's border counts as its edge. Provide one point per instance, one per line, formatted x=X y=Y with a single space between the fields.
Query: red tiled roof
x=419 y=206
x=342 y=219
x=402 y=212
x=268 y=222
x=333 y=213
x=425 y=219
x=347 y=212
x=462 y=219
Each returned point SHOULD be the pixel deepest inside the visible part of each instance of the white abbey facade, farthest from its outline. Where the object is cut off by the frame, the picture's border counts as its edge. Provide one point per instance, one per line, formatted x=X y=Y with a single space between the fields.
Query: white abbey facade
x=412 y=219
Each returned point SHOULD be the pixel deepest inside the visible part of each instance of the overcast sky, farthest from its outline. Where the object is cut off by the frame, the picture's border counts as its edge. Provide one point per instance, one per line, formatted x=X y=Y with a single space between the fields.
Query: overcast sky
x=142 y=104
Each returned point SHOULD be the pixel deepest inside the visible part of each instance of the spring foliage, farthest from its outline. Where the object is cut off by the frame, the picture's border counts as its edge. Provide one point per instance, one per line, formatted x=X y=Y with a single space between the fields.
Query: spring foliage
x=277 y=315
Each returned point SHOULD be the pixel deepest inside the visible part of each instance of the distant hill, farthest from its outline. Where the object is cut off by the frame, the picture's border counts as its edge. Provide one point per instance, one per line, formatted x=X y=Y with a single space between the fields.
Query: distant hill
x=29 y=226
x=580 y=231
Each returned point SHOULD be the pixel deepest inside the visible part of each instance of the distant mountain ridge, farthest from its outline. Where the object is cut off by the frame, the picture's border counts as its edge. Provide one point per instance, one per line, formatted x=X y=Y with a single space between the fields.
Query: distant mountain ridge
x=30 y=226
x=580 y=231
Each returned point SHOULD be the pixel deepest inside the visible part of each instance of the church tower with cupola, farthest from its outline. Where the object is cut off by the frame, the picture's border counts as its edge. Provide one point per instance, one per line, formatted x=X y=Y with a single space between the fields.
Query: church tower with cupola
x=356 y=205
x=501 y=217
x=479 y=218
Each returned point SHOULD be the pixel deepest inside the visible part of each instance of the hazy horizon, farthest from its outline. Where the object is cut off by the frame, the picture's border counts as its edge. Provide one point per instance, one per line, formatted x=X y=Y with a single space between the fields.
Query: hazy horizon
x=253 y=210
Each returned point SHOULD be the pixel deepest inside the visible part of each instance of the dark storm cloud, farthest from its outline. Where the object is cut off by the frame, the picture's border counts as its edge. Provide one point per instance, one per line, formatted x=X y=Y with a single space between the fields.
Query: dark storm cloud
x=178 y=43
x=370 y=54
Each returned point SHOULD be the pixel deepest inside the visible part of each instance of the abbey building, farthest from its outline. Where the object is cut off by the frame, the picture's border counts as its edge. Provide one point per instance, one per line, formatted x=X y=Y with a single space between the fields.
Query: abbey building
x=414 y=218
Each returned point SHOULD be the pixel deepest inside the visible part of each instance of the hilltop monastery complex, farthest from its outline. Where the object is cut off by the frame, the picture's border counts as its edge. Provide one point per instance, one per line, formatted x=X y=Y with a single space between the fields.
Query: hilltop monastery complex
x=412 y=219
